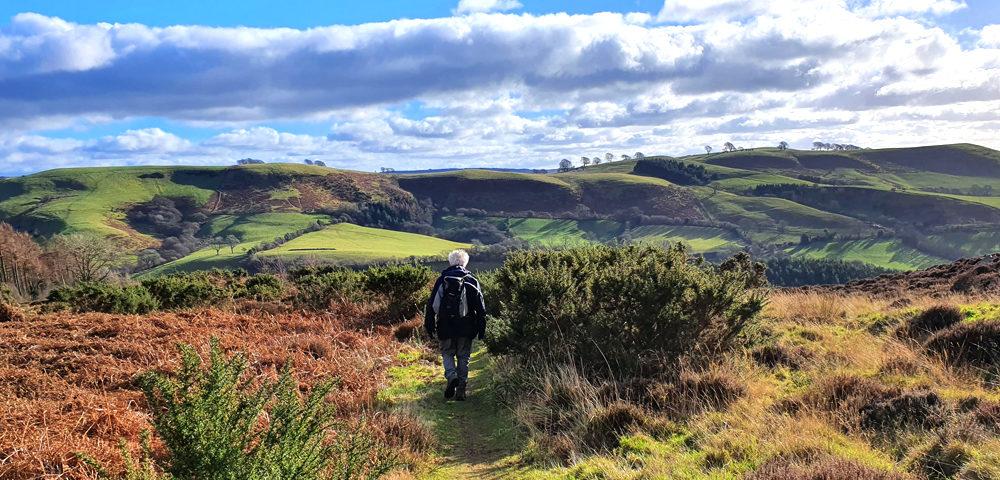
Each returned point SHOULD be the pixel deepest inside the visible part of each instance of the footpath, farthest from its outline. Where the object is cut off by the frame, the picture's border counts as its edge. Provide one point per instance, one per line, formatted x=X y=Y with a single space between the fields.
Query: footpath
x=476 y=439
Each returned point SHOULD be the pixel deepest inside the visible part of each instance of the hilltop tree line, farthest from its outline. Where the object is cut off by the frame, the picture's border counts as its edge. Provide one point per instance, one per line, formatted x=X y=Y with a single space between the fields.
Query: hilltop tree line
x=566 y=164
x=789 y=272
x=834 y=146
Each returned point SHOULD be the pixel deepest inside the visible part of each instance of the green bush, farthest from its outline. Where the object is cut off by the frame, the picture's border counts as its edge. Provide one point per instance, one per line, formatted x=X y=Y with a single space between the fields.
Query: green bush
x=211 y=419
x=400 y=285
x=184 y=290
x=263 y=287
x=318 y=287
x=623 y=310
x=106 y=298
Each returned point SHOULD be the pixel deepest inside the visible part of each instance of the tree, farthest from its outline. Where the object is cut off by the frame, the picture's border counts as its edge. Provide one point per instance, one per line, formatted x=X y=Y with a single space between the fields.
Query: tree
x=728 y=147
x=319 y=163
x=708 y=150
x=584 y=161
x=85 y=256
x=149 y=258
x=218 y=243
x=565 y=165
x=639 y=155
x=609 y=157
x=625 y=157
x=783 y=145
x=596 y=160
x=233 y=242
x=20 y=261
x=308 y=162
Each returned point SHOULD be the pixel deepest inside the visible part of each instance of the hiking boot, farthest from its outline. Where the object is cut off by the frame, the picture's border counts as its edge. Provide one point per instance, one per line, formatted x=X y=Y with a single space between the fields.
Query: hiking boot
x=449 y=391
x=460 y=394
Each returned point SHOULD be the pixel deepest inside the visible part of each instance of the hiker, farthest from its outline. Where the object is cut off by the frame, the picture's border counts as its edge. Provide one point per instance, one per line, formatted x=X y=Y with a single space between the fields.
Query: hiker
x=456 y=312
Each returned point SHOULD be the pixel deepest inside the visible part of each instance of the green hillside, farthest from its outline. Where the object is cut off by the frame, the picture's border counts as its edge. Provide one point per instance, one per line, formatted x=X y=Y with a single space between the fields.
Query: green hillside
x=347 y=243
x=899 y=208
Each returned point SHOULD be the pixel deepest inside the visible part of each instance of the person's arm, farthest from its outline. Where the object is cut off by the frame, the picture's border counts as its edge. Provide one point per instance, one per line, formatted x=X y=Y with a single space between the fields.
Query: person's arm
x=478 y=306
x=429 y=310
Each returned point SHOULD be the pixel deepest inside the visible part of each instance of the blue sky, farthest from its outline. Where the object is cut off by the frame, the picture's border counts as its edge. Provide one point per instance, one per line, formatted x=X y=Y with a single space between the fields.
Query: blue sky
x=514 y=83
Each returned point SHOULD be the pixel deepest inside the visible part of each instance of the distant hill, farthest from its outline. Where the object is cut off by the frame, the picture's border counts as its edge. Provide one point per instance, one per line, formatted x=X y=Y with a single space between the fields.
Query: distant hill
x=898 y=208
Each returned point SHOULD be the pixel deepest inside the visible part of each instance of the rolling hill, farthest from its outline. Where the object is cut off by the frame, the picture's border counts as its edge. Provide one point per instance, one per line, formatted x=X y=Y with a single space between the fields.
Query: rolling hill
x=899 y=208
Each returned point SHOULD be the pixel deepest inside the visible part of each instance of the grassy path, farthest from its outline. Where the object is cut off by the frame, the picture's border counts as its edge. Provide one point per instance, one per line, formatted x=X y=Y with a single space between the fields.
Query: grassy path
x=476 y=439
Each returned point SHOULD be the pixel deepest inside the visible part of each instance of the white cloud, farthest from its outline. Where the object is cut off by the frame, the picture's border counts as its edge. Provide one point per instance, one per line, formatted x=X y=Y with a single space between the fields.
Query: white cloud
x=505 y=90
x=990 y=36
x=485 y=6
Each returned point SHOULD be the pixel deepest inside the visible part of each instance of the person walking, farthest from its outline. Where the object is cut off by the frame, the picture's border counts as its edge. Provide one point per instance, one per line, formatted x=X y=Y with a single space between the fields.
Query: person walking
x=456 y=313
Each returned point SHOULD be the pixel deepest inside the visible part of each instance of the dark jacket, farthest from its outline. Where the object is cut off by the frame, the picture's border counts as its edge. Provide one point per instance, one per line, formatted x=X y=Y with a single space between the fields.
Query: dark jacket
x=474 y=324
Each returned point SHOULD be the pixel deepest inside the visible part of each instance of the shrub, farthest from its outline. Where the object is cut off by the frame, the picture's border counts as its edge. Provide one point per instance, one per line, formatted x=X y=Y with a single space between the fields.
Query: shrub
x=622 y=309
x=262 y=287
x=317 y=288
x=107 y=298
x=972 y=344
x=399 y=285
x=931 y=321
x=211 y=421
x=185 y=290
x=821 y=469
x=868 y=404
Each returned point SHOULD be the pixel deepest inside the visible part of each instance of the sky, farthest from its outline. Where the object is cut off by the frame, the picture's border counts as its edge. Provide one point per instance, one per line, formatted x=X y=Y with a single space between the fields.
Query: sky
x=500 y=83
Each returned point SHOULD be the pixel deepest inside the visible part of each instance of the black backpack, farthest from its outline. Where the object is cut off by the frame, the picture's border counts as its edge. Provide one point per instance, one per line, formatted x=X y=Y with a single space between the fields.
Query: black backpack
x=451 y=301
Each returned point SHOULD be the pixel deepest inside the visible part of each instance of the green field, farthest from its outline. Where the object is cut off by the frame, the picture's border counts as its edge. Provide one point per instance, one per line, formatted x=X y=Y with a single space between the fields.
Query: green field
x=249 y=229
x=885 y=253
x=698 y=239
x=560 y=232
x=348 y=243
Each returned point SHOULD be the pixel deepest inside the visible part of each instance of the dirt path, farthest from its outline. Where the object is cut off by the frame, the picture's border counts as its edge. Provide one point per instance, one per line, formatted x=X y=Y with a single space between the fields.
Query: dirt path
x=476 y=439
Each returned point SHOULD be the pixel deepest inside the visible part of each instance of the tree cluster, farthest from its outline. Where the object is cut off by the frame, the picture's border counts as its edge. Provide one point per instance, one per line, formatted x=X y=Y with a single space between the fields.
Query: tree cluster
x=249 y=161
x=673 y=171
x=29 y=268
x=834 y=146
x=278 y=241
x=788 y=272
x=177 y=221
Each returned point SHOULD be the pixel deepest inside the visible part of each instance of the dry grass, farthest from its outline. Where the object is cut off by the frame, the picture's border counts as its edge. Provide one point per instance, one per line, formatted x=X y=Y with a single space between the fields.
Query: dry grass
x=66 y=381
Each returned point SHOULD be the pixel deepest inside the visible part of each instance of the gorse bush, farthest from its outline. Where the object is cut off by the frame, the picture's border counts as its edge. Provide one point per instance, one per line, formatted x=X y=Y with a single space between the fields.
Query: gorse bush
x=399 y=286
x=211 y=419
x=623 y=309
x=184 y=290
x=263 y=287
x=106 y=298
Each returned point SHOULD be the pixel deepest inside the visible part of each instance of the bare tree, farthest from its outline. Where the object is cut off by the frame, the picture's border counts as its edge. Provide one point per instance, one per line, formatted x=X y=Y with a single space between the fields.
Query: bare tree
x=626 y=157
x=584 y=161
x=596 y=160
x=708 y=149
x=728 y=147
x=565 y=165
x=609 y=157
x=218 y=243
x=639 y=155
x=86 y=256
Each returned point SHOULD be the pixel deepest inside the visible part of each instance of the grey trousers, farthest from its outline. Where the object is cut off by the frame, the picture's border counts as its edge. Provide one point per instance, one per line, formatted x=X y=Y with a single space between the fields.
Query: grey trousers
x=455 y=356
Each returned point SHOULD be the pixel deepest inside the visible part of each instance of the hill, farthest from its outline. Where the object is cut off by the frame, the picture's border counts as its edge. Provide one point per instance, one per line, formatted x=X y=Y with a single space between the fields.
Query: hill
x=898 y=208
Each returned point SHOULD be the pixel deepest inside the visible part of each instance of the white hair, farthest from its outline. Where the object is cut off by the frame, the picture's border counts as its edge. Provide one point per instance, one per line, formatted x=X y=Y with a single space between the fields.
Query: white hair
x=458 y=257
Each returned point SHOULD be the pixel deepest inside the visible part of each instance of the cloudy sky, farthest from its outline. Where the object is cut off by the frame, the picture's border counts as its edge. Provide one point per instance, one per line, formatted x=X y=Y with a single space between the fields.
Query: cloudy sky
x=513 y=83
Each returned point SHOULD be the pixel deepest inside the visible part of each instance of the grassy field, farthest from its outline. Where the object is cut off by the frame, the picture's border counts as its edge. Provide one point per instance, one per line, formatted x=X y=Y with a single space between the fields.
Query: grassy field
x=249 y=229
x=885 y=253
x=348 y=243
x=698 y=239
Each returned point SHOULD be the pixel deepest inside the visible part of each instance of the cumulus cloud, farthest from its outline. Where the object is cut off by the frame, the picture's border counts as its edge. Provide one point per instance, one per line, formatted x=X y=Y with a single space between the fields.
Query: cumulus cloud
x=500 y=89
x=990 y=36
x=485 y=6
